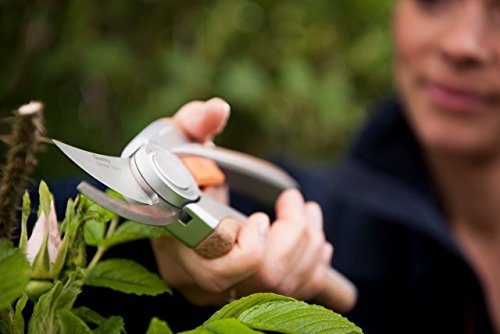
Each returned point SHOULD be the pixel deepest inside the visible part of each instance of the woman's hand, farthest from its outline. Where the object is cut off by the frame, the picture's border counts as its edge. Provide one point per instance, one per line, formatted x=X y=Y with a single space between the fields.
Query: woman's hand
x=201 y=121
x=296 y=257
x=290 y=257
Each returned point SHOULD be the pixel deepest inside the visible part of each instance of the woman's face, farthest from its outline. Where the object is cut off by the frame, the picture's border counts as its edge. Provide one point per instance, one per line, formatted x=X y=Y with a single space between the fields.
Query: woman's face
x=447 y=68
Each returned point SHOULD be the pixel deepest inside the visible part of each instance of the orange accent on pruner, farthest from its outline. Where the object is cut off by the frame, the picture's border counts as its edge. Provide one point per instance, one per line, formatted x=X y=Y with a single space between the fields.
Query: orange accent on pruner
x=205 y=172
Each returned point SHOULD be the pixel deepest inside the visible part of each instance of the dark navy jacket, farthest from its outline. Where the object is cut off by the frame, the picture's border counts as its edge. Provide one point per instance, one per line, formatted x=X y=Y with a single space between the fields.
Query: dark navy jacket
x=390 y=236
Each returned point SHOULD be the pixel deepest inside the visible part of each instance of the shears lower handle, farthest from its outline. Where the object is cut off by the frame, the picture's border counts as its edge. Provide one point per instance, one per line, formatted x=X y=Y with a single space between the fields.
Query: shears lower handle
x=220 y=241
x=207 y=226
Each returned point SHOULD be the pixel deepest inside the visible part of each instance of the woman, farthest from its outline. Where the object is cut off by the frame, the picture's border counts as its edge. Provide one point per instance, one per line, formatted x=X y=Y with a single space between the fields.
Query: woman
x=413 y=211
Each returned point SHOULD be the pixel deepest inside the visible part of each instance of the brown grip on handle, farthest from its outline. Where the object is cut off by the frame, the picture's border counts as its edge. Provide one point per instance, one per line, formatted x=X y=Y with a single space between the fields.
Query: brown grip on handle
x=220 y=241
x=339 y=294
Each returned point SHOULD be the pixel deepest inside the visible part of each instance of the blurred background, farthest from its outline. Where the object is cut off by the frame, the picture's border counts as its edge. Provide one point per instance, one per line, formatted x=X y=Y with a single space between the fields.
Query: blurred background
x=299 y=75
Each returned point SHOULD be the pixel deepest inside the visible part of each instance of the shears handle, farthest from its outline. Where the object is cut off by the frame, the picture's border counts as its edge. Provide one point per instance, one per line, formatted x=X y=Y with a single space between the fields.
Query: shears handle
x=220 y=241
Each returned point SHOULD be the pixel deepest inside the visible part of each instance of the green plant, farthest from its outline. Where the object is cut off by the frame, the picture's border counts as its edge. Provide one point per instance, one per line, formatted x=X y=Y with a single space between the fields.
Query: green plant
x=50 y=269
x=27 y=132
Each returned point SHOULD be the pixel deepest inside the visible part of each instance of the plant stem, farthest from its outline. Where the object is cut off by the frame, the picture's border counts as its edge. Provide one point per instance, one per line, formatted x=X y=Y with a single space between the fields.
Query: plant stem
x=102 y=249
x=20 y=161
x=97 y=257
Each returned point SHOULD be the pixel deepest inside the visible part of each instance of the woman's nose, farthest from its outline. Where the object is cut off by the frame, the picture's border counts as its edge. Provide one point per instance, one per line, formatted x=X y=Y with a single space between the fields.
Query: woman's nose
x=467 y=40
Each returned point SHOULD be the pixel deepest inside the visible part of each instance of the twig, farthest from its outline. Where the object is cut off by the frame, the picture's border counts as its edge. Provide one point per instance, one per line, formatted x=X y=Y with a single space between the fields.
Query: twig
x=20 y=161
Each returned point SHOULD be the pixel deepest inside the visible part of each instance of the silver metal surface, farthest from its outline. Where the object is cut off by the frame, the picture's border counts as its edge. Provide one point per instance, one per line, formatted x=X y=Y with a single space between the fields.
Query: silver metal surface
x=212 y=212
x=245 y=174
x=114 y=172
x=204 y=217
x=161 y=132
x=166 y=175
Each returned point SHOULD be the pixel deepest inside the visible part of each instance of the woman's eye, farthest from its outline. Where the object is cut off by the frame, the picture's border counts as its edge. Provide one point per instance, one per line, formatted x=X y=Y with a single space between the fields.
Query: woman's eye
x=495 y=13
x=431 y=4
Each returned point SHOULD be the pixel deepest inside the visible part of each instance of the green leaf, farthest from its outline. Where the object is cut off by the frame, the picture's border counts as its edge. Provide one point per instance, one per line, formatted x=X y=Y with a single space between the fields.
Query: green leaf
x=89 y=210
x=114 y=194
x=69 y=323
x=157 y=326
x=23 y=239
x=234 y=309
x=130 y=231
x=126 y=276
x=14 y=273
x=223 y=326
x=77 y=252
x=6 y=320
x=73 y=215
x=297 y=317
x=94 y=232
x=103 y=215
x=88 y=315
x=61 y=256
x=276 y=313
x=61 y=296
x=70 y=213
x=18 y=321
x=41 y=263
x=12 y=321
x=45 y=199
x=112 y=325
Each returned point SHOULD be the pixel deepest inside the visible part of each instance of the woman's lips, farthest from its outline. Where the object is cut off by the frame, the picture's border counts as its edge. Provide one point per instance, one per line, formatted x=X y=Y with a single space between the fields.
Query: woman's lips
x=456 y=100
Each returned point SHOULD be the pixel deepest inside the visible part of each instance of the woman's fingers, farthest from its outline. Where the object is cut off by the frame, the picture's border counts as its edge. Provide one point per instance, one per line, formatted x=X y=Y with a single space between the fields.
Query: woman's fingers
x=304 y=269
x=200 y=120
x=243 y=261
x=316 y=282
x=205 y=282
x=289 y=257
x=287 y=241
x=292 y=262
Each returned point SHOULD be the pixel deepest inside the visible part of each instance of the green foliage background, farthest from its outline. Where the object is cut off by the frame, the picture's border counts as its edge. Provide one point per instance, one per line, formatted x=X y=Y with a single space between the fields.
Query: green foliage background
x=298 y=74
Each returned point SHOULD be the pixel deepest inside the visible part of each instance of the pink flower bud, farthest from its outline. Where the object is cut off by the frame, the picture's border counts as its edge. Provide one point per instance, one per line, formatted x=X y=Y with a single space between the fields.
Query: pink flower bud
x=42 y=227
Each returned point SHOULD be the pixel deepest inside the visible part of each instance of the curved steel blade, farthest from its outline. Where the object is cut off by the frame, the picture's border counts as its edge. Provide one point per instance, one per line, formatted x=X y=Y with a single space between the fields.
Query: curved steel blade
x=140 y=213
x=114 y=172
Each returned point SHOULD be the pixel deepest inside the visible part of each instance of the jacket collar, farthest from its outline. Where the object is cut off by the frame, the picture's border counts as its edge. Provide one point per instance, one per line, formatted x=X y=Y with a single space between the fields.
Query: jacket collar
x=387 y=174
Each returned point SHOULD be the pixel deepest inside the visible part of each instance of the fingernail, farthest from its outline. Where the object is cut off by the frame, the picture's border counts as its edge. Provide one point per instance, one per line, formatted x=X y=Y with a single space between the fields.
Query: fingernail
x=294 y=192
x=227 y=108
x=315 y=214
x=224 y=105
x=263 y=225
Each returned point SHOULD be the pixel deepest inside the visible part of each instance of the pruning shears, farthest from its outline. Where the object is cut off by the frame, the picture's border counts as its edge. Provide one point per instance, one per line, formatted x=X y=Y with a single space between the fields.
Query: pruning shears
x=161 y=190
